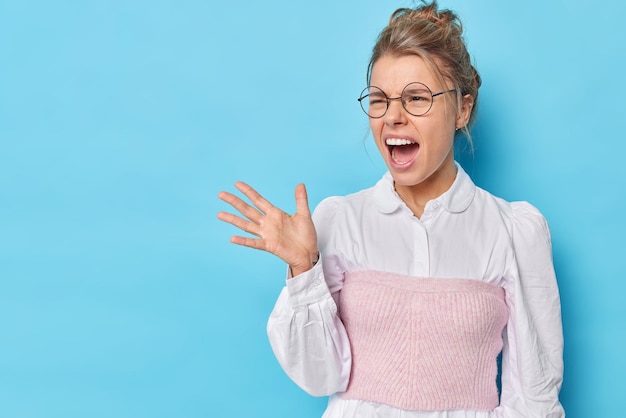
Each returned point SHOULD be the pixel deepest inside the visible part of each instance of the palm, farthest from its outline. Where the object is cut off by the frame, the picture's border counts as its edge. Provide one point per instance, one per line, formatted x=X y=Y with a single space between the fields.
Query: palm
x=290 y=237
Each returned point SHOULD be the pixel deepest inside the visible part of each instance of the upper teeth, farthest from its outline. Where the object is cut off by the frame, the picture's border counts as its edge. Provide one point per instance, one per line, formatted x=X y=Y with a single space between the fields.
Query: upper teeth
x=398 y=141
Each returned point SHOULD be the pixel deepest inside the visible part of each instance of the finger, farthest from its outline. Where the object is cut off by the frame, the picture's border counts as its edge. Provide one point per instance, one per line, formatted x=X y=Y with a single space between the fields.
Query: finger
x=302 y=200
x=240 y=223
x=254 y=196
x=244 y=208
x=256 y=243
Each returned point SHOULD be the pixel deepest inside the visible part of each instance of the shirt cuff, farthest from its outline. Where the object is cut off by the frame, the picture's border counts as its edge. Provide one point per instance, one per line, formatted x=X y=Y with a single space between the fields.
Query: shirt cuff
x=308 y=288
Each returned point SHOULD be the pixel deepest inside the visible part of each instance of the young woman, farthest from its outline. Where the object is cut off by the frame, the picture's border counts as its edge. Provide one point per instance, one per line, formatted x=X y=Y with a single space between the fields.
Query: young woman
x=401 y=297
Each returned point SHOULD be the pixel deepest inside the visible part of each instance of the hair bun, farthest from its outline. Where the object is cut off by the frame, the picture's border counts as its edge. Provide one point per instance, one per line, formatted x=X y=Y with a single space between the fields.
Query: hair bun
x=444 y=19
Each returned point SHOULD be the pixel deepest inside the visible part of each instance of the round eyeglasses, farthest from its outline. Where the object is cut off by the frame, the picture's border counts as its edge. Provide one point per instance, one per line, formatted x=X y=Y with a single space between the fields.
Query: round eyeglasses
x=416 y=98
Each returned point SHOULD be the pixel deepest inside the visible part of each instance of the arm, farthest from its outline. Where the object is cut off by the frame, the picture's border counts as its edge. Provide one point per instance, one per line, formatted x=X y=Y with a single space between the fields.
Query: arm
x=532 y=358
x=308 y=337
x=304 y=329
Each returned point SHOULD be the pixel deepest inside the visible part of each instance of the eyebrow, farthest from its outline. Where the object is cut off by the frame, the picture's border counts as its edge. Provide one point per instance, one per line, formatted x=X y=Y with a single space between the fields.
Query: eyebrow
x=418 y=88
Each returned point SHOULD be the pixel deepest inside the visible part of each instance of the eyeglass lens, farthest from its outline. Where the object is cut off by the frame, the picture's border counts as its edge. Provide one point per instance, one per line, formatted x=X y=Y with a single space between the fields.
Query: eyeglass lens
x=416 y=98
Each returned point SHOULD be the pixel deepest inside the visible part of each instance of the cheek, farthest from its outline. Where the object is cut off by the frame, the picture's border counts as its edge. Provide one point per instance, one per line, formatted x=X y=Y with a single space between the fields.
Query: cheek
x=440 y=126
x=376 y=128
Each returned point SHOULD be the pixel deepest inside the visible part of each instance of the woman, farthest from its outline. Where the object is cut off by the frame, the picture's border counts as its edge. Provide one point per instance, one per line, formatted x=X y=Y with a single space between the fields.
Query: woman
x=400 y=297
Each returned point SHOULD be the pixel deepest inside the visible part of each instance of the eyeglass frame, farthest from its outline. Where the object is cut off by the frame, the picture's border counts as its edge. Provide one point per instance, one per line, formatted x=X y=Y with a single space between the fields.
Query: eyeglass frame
x=432 y=96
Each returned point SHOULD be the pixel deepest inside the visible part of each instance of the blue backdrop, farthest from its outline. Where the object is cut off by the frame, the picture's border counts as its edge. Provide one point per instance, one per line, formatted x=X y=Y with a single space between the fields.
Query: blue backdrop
x=120 y=121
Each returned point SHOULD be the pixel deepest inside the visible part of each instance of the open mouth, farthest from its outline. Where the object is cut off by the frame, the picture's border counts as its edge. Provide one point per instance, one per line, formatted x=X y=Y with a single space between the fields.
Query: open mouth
x=402 y=151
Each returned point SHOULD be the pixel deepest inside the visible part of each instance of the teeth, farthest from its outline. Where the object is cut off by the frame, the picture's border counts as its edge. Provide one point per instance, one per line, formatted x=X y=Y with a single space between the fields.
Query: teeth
x=393 y=157
x=398 y=141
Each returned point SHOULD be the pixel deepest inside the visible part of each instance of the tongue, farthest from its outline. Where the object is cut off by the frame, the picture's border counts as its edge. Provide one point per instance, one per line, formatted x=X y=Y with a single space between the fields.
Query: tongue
x=402 y=154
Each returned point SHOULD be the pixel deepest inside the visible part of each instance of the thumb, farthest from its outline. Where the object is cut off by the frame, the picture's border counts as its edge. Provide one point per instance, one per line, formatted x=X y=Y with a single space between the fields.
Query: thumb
x=302 y=201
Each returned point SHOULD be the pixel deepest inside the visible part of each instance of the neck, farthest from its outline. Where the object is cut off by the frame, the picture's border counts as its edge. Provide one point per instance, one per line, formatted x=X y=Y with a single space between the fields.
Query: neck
x=418 y=195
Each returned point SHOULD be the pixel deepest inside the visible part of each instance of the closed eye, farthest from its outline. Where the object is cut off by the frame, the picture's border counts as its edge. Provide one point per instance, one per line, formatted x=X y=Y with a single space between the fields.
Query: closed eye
x=416 y=97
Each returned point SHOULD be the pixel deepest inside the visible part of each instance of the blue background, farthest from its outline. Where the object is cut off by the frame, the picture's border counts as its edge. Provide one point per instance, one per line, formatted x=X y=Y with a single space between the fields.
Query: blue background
x=120 y=121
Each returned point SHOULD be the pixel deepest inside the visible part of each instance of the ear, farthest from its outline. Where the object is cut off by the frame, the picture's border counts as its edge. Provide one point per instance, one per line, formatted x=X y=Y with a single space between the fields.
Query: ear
x=463 y=115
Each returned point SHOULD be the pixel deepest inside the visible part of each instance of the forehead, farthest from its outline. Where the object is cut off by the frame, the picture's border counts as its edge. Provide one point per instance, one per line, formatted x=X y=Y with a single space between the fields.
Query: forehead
x=391 y=73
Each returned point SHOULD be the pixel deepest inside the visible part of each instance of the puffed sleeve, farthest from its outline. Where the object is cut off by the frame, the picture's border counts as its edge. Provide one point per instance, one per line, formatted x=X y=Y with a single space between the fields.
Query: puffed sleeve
x=304 y=328
x=532 y=357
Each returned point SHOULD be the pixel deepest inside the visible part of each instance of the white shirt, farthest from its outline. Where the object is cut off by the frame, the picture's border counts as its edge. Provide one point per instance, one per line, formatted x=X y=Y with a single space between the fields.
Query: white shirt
x=464 y=233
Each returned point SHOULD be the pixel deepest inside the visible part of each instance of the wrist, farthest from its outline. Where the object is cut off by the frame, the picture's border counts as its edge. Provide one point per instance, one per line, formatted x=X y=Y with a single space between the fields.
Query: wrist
x=297 y=269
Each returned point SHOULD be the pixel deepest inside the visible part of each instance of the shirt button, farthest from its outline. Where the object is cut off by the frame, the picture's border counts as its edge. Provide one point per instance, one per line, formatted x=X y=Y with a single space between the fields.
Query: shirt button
x=435 y=205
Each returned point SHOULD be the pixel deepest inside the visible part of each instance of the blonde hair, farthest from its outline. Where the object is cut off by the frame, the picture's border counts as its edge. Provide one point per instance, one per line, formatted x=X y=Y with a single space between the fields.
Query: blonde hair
x=437 y=37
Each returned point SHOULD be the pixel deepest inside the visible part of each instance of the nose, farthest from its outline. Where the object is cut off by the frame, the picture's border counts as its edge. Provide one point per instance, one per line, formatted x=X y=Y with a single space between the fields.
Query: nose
x=396 y=115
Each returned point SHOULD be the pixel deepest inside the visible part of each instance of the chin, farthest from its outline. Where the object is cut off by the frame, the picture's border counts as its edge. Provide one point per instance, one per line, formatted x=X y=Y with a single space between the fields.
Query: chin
x=406 y=179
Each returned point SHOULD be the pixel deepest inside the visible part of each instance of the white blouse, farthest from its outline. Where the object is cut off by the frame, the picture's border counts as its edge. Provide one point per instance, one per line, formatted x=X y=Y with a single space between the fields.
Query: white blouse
x=464 y=233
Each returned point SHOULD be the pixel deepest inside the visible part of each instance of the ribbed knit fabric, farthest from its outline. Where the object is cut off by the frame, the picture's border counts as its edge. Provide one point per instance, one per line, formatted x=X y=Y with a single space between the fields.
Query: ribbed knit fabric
x=421 y=343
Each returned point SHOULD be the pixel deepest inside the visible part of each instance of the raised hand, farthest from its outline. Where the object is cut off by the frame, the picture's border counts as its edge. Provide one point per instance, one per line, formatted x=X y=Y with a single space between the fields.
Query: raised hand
x=290 y=237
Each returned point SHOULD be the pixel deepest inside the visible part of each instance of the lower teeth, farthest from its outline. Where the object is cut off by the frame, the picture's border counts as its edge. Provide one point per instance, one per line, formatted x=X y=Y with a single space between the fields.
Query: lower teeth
x=393 y=157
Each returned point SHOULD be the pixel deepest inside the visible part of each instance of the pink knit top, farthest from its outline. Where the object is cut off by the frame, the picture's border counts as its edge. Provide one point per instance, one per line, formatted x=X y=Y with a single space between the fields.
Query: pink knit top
x=421 y=343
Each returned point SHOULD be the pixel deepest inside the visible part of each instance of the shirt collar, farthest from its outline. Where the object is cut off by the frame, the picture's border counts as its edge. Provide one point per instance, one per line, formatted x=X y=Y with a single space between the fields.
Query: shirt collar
x=456 y=199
